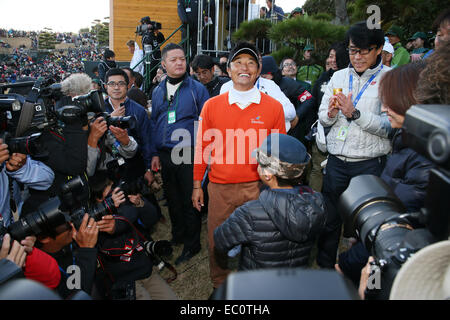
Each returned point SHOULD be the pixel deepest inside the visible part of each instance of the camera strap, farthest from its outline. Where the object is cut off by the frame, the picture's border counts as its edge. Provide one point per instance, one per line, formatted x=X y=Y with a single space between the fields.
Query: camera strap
x=27 y=113
x=163 y=262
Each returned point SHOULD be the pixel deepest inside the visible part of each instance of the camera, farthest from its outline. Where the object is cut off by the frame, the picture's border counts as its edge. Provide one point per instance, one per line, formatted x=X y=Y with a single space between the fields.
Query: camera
x=73 y=204
x=128 y=122
x=30 y=145
x=133 y=187
x=45 y=106
x=158 y=249
x=147 y=25
x=91 y=102
x=372 y=212
x=44 y=222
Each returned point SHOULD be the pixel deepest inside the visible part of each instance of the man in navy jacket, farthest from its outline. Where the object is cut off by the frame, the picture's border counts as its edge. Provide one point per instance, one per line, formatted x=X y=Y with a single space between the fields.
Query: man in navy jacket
x=118 y=104
x=176 y=105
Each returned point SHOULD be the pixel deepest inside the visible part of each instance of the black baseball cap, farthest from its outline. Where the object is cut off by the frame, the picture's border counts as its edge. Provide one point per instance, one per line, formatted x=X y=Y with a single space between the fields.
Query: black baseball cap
x=243 y=47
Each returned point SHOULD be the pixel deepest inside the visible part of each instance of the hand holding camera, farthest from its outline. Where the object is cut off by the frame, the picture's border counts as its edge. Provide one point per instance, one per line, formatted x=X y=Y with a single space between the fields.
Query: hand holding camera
x=118 y=197
x=16 y=161
x=120 y=134
x=4 y=153
x=98 y=128
x=16 y=253
x=107 y=224
x=87 y=234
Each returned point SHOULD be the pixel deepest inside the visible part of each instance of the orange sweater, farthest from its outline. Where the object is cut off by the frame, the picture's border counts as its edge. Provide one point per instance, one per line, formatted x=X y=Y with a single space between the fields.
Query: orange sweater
x=227 y=135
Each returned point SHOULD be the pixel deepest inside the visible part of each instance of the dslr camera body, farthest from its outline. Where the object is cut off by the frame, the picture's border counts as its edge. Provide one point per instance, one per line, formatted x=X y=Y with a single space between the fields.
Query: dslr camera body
x=373 y=213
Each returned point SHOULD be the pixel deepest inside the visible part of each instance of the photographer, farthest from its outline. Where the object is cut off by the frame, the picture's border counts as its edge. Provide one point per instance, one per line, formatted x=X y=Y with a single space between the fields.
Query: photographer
x=77 y=248
x=65 y=143
x=19 y=168
x=103 y=149
x=122 y=258
x=152 y=38
x=406 y=171
x=118 y=104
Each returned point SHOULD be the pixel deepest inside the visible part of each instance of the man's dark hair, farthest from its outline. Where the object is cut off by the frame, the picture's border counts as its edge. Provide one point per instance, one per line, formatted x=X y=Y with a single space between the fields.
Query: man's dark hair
x=169 y=47
x=109 y=54
x=133 y=73
x=97 y=184
x=202 y=61
x=138 y=79
x=116 y=72
x=442 y=19
x=363 y=37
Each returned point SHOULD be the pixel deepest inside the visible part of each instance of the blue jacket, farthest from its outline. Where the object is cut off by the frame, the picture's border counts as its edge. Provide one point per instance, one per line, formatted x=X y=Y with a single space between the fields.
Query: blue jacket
x=33 y=174
x=188 y=102
x=142 y=133
x=407 y=172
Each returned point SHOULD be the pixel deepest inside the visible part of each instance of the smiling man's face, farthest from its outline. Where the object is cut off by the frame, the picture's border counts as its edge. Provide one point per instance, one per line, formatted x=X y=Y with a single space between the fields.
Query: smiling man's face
x=243 y=71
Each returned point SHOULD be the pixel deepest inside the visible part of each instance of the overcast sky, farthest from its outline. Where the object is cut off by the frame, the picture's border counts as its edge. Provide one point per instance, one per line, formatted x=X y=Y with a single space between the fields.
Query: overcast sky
x=70 y=15
x=62 y=15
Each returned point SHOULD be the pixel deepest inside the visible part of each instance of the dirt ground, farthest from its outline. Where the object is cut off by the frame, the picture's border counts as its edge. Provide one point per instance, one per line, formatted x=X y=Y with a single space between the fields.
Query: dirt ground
x=193 y=282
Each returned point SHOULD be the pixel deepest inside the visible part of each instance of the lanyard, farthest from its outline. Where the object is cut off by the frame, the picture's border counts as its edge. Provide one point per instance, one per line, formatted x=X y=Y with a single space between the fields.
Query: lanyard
x=350 y=85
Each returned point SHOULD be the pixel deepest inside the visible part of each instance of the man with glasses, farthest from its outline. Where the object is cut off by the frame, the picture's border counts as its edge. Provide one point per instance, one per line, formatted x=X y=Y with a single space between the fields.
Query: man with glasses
x=358 y=139
x=289 y=69
x=118 y=104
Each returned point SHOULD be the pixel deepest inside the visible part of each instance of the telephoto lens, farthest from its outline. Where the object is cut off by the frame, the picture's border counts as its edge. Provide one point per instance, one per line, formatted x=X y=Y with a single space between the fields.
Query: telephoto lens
x=365 y=205
x=43 y=222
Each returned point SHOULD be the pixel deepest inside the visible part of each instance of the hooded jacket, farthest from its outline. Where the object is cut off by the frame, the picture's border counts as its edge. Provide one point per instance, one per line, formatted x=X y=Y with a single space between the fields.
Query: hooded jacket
x=277 y=230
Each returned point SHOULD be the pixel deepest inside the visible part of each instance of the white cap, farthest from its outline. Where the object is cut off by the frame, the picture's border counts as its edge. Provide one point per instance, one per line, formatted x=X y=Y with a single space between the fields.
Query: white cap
x=388 y=48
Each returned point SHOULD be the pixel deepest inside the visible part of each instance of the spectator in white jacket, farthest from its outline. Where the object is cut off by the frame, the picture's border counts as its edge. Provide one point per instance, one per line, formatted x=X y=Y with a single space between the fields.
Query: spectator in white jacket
x=357 y=142
x=135 y=63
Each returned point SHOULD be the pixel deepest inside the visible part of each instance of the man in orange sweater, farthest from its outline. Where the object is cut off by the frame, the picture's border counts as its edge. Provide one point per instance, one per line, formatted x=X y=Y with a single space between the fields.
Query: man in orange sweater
x=232 y=125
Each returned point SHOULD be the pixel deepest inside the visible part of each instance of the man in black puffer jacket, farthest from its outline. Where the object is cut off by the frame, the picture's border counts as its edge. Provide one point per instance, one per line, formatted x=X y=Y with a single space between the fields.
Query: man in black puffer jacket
x=278 y=229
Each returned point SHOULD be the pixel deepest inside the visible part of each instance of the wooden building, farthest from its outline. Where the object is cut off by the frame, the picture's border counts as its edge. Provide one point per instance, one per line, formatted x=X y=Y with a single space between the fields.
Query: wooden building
x=125 y=16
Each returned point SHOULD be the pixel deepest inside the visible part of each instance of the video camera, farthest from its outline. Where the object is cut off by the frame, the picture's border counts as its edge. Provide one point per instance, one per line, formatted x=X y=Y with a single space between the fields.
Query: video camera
x=44 y=107
x=147 y=25
x=372 y=212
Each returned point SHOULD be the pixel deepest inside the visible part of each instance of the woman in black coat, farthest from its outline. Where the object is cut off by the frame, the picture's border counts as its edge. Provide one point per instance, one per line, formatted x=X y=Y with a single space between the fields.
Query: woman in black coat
x=406 y=171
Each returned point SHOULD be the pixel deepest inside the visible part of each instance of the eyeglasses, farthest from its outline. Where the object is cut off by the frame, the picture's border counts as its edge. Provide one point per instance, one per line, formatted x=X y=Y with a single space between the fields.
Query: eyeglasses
x=289 y=65
x=116 y=84
x=363 y=52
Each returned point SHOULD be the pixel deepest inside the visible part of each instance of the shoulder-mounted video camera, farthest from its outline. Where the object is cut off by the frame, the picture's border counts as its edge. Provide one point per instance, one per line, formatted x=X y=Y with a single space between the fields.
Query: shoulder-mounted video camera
x=147 y=26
